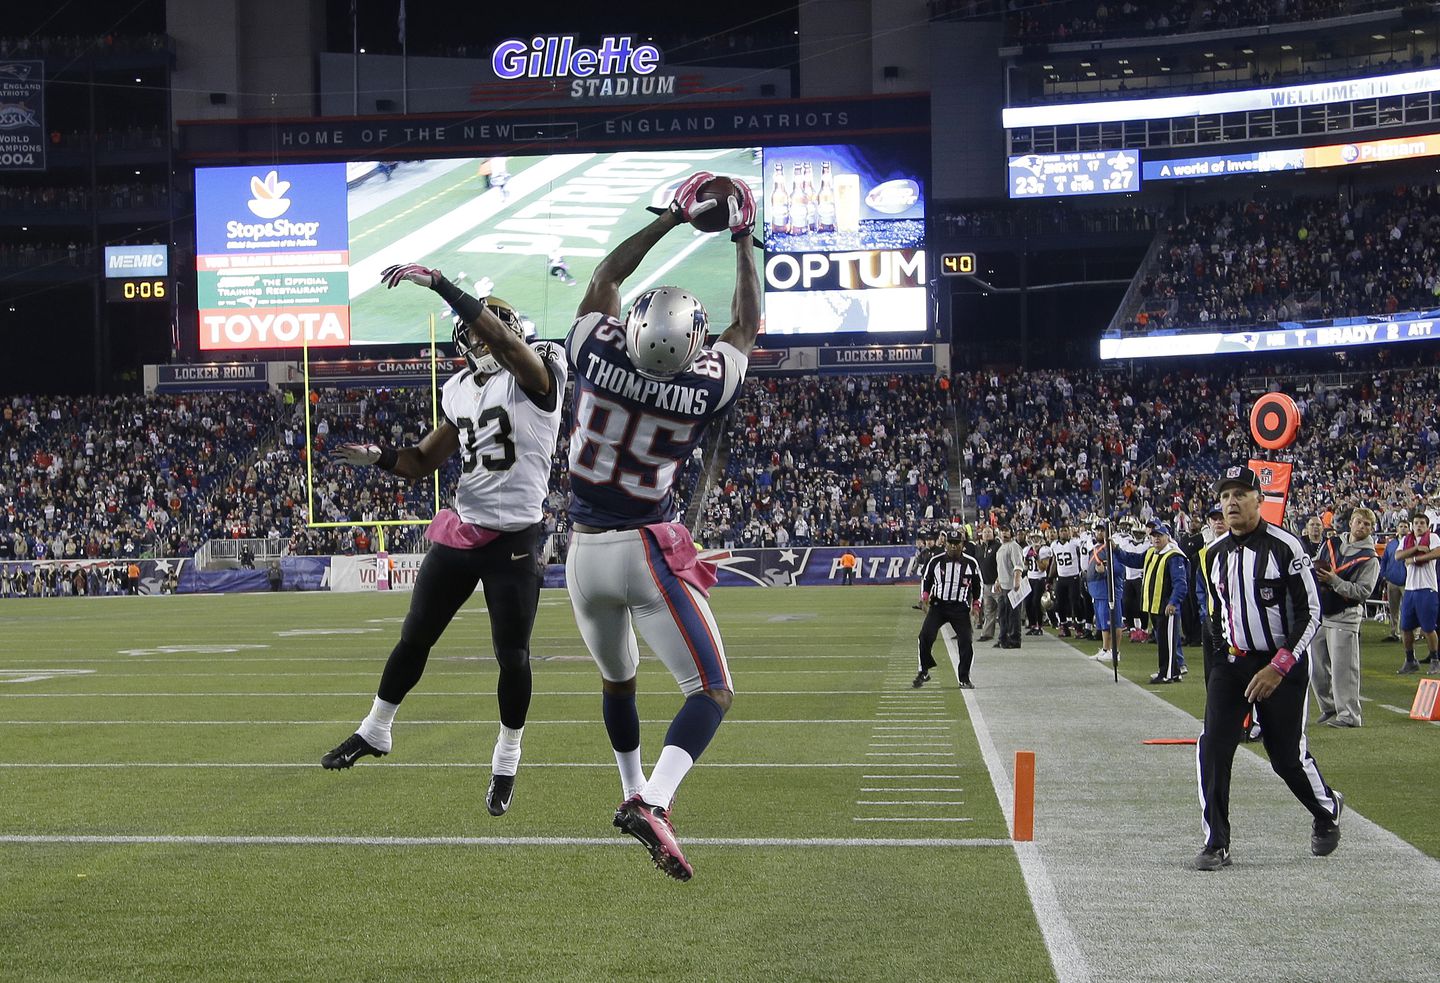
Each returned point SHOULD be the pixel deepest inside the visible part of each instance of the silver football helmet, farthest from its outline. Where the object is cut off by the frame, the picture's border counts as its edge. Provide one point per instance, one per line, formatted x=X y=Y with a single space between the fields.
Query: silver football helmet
x=478 y=356
x=664 y=332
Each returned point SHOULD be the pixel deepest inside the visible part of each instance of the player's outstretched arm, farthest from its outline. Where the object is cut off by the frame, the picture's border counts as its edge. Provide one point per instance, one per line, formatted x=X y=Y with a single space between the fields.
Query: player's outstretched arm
x=434 y=449
x=745 y=304
x=513 y=354
x=603 y=294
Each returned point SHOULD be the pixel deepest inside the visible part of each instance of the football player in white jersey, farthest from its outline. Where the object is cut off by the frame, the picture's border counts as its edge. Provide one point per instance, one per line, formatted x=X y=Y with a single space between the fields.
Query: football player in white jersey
x=646 y=389
x=502 y=414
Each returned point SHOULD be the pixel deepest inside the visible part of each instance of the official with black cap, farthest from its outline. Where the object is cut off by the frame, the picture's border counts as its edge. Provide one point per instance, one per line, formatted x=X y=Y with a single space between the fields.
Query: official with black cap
x=949 y=587
x=1266 y=613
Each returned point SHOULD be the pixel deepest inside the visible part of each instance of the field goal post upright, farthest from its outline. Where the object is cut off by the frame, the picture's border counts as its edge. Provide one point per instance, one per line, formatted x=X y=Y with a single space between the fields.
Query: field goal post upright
x=379 y=524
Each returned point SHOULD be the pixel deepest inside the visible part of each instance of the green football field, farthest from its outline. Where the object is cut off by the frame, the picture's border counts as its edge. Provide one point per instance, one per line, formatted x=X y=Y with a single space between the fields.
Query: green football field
x=166 y=818
x=441 y=214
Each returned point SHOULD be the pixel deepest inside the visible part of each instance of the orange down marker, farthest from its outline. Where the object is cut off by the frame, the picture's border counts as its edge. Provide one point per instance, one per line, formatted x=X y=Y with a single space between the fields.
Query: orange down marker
x=1024 y=795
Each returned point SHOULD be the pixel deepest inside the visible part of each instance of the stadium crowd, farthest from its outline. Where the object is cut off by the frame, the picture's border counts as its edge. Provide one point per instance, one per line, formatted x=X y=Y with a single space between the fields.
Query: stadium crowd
x=1089 y=19
x=846 y=460
x=1261 y=262
x=856 y=460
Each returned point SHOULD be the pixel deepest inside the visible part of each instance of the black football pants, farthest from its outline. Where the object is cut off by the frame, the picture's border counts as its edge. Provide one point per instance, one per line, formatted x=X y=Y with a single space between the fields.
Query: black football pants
x=1283 y=736
x=509 y=567
x=957 y=616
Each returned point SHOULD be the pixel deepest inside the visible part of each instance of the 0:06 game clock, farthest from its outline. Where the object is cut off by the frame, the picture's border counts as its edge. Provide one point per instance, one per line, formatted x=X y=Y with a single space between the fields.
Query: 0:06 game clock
x=138 y=289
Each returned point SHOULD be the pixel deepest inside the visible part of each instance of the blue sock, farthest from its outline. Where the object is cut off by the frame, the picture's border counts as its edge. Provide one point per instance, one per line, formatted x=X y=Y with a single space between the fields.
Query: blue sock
x=1409 y=655
x=695 y=725
x=622 y=721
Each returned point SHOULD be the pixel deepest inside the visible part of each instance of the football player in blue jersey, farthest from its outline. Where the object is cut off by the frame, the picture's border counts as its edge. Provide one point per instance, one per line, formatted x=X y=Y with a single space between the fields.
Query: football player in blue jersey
x=646 y=389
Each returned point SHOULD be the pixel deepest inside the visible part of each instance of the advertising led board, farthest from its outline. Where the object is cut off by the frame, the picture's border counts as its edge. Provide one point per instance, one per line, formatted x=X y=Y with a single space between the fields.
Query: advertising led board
x=1294 y=159
x=1289 y=337
x=1173 y=107
x=532 y=230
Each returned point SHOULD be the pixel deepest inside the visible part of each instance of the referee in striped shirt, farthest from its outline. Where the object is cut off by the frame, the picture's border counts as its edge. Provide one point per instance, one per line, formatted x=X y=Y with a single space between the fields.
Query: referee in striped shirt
x=949 y=587
x=1267 y=613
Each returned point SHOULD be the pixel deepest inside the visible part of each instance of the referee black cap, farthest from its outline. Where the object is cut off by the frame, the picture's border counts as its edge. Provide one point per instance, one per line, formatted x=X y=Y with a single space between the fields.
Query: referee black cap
x=1237 y=474
x=955 y=537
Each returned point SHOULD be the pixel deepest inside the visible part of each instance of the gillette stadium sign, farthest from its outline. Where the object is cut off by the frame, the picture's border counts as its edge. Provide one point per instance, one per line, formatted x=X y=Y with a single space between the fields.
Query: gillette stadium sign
x=617 y=66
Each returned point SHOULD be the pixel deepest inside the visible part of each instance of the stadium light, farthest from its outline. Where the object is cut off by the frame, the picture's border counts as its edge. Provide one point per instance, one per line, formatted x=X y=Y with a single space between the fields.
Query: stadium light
x=1287 y=47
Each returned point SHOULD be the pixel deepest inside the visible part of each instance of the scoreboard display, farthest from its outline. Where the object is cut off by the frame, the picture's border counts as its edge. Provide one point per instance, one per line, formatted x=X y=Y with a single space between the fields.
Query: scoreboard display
x=1090 y=172
x=137 y=274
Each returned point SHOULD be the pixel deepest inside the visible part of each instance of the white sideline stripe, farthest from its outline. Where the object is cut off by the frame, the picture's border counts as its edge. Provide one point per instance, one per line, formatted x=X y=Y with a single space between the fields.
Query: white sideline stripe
x=351 y=722
x=924 y=744
x=1065 y=954
x=1405 y=713
x=478 y=841
x=909 y=802
x=912 y=819
x=915 y=788
x=241 y=657
x=40 y=765
x=910 y=754
x=368 y=694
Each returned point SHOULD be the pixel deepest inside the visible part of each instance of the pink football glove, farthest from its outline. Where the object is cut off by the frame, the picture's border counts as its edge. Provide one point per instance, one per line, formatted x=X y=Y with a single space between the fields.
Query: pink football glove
x=685 y=204
x=742 y=212
x=391 y=276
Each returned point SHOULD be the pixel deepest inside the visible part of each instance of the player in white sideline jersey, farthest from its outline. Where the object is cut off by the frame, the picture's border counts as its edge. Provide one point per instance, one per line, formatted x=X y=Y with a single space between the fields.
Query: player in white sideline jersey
x=502 y=413
x=646 y=389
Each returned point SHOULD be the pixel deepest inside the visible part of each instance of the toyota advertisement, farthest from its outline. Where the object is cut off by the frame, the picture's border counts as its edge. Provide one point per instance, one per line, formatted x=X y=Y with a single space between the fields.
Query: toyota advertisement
x=272 y=257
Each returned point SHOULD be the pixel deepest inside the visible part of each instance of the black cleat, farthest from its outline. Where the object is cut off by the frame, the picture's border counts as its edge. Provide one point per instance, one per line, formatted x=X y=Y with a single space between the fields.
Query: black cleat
x=1213 y=858
x=966 y=684
x=350 y=750
x=921 y=678
x=1325 y=833
x=1410 y=666
x=651 y=826
x=499 y=794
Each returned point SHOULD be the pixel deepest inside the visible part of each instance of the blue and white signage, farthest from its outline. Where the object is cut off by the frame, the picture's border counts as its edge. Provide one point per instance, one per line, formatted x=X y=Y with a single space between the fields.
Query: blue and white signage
x=1197 y=167
x=1091 y=172
x=124 y=262
x=1291 y=336
x=22 y=116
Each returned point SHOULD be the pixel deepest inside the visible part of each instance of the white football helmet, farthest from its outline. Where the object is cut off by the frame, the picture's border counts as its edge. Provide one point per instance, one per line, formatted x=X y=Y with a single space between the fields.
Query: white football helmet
x=478 y=357
x=664 y=332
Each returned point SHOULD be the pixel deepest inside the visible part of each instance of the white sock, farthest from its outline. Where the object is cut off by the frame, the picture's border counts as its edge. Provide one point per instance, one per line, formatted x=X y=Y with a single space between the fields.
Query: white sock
x=666 y=777
x=632 y=772
x=375 y=728
x=506 y=759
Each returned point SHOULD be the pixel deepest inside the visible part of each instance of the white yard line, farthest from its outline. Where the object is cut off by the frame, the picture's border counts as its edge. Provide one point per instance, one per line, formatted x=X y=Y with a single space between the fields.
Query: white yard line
x=483 y=841
x=45 y=765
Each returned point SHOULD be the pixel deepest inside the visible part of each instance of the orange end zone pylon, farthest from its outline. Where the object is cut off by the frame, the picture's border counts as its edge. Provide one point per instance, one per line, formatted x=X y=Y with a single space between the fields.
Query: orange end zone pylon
x=1170 y=740
x=1427 y=701
x=1024 y=795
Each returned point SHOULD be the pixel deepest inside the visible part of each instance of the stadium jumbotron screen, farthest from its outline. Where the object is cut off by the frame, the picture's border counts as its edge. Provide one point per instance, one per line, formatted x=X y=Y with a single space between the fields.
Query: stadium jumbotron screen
x=288 y=251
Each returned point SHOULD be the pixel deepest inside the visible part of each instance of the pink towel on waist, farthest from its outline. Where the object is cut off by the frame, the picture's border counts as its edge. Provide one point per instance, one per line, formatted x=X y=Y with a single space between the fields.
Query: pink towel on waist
x=678 y=549
x=448 y=529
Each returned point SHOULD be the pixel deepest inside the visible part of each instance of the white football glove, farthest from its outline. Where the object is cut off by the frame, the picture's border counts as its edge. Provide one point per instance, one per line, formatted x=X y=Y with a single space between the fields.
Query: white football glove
x=356 y=455
x=392 y=276
x=742 y=212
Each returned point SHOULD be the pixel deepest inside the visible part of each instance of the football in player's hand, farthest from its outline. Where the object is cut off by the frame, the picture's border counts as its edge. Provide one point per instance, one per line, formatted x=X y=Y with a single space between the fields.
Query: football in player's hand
x=716 y=219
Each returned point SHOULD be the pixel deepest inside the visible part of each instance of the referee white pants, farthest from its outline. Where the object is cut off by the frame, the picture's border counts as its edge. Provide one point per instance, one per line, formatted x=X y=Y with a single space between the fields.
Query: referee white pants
x=618 y=582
